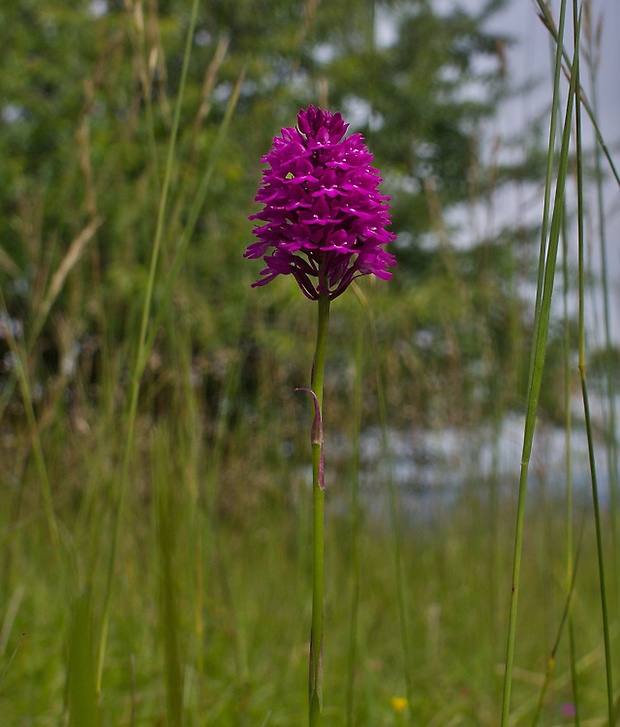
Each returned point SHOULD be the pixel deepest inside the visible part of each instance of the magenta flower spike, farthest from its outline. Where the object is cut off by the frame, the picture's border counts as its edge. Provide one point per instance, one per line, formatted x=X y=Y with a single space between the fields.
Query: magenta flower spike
x=325 y=219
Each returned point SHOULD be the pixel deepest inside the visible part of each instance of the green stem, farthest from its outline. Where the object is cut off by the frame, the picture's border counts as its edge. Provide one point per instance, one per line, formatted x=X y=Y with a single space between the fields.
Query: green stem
x=610 y=380
x=584 y=387
x=142 y=351
x=394 y=507
x=537 y=362
x=318 y=520
x=355 y=521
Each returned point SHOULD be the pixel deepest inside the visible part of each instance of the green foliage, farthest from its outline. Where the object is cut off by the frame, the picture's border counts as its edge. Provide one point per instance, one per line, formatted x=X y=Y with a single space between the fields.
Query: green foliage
x=208 y=615
x=230 y=604
x=85 y=123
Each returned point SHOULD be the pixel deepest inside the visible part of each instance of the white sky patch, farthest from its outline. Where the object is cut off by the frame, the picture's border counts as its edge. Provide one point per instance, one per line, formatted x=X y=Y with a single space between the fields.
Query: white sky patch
x=98 y=8
x=529 y=60
x=12 y=113
x=324 y=53
x=386 y=28
x=358 y=112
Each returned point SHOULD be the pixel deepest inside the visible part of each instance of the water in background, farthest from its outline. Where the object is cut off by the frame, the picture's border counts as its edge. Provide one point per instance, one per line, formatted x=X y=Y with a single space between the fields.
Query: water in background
x=430 y=470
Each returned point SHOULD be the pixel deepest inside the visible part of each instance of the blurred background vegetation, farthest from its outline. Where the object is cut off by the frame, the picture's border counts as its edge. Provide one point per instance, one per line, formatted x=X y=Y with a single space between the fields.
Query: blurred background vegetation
x=88 y=90
x=214 y=529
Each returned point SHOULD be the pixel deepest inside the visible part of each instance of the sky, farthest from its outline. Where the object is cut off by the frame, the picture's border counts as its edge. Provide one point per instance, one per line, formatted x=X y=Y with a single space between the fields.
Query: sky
x=530 y=58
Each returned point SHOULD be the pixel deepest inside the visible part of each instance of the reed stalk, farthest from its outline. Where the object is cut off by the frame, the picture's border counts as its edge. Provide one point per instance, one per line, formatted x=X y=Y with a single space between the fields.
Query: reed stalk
x=537 y=362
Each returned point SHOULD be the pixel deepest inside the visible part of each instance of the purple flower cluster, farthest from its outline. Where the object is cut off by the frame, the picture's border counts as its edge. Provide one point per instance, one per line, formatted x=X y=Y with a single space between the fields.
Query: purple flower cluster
x=324 y=216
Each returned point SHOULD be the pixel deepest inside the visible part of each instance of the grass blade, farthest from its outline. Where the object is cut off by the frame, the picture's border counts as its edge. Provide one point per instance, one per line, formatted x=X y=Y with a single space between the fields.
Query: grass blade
x=582 y=372
x=394 y=518
x=81 y=693
x=141 y=355
x=541 y=329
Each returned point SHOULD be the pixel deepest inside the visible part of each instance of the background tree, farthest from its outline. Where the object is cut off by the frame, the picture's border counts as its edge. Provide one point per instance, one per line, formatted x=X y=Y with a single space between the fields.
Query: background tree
x=87 y=92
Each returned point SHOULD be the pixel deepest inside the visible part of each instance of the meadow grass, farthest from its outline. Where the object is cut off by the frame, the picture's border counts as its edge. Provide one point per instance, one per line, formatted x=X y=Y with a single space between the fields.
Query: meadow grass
x=156 y=561
x=228 y=645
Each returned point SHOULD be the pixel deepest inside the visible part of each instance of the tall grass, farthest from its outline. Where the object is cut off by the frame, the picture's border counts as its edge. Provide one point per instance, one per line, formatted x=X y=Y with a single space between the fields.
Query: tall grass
x=156 y=541
x=548 y=256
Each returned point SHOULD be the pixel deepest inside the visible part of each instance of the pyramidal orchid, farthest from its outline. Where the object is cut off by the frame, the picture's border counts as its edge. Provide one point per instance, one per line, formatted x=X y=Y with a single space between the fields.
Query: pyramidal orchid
x=324 y=223
x=324 y=217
